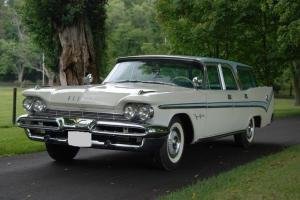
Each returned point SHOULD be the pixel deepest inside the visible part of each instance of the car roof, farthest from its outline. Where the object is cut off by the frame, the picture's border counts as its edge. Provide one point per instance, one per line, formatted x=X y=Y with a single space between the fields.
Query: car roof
x=184 y=58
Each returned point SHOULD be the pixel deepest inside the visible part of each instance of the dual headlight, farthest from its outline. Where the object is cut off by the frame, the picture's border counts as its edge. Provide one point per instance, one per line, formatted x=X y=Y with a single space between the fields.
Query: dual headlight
x=138 y=112
x=34 y=104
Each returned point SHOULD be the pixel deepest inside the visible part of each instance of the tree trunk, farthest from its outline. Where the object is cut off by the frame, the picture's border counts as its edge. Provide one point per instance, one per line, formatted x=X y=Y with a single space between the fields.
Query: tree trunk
x=20 y=72
x=78 y=54
x=50 y=75
x=296 y=65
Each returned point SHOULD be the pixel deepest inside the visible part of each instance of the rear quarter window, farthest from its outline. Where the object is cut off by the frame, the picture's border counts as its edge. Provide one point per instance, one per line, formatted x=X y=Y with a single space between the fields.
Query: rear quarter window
x=246 y=77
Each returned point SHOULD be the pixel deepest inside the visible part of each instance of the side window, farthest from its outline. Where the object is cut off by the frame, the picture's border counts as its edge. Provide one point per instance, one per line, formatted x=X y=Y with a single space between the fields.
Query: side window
x=213 y=77
x=229 y=79
x=196 y=72
x=246 y=77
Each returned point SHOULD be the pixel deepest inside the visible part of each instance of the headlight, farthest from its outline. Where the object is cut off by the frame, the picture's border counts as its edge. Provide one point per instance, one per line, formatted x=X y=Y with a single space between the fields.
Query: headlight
x=145 y=112
x=34 y=104
x=130 y=111
x=139 y=112
x=38 y=105
x=27 y=103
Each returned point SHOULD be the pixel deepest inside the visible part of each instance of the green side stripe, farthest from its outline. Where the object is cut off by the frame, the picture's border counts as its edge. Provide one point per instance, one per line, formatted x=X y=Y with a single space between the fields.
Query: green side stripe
x=240 y=104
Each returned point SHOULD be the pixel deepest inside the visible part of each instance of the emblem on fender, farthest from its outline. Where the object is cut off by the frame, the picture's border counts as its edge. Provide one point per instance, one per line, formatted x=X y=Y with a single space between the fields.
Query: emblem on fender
x=200 y=116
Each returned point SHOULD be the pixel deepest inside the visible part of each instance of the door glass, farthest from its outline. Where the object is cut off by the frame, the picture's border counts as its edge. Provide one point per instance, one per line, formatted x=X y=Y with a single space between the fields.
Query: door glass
x=213 y=77
x=198 y=72
x=229 y=79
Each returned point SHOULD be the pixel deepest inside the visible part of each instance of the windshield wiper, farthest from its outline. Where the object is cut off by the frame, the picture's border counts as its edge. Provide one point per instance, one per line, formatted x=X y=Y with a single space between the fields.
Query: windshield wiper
x=128 y=81
x=157 y=82
x=149 y=82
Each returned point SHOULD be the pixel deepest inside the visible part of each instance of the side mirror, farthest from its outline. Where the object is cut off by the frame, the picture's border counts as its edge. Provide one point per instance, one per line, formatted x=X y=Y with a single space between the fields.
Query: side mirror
x=197 y=82
x=88 y=79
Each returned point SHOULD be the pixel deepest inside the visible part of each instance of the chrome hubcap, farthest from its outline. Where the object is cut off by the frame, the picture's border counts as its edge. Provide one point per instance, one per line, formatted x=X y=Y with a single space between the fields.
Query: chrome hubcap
x=174 y=142
x=250 y=130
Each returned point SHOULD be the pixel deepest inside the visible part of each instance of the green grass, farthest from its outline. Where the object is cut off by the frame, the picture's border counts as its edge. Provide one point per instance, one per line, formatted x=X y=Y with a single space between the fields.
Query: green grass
x=273 y=177
x=6 y=105
x=13 y=141
x=286 y=108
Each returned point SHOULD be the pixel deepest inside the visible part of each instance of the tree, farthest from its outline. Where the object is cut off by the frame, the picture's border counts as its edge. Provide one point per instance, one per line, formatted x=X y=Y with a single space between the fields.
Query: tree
x=72 y=31
x=289 y=38
x=132 y=29
x=238 y=30
x=17 y=53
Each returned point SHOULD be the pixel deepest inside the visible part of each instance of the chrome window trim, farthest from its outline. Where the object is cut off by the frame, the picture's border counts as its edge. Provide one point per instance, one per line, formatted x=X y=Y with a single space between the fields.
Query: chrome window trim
x=221 y=76
x=232 y=72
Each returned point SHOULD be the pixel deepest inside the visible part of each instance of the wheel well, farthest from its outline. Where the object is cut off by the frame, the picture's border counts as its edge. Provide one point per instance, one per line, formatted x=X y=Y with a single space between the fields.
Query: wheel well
x=257 y=121
x=187 y=126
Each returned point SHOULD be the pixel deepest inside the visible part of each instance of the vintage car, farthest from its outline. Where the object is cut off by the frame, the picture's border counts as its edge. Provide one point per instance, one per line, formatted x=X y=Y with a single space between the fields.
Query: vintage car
x=150 y=103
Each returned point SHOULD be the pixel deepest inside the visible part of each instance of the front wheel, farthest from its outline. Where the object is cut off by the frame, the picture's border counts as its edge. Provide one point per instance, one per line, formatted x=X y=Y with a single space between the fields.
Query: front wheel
x=61 y=153
x=170 y=154
x=246 y=138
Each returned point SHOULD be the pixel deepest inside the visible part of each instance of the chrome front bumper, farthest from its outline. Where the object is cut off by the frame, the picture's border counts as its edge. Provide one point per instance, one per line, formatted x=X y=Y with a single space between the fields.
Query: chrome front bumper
x=105 y=134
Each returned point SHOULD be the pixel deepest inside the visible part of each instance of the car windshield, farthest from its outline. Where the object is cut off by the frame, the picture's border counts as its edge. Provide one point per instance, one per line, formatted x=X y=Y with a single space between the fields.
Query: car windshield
x=167 y=72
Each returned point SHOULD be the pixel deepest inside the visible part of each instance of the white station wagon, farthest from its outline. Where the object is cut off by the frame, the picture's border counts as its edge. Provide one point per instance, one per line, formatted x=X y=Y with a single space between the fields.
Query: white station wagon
x=150 y=103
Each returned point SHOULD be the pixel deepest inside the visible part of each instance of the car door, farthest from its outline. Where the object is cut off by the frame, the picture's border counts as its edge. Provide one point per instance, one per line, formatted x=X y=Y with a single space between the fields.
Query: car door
x=235 y=98
x=219 y=102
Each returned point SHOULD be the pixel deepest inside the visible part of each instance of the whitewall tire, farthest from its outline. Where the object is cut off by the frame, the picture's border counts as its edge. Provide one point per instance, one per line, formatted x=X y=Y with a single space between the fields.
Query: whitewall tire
x=245 y=139
x=170 y=154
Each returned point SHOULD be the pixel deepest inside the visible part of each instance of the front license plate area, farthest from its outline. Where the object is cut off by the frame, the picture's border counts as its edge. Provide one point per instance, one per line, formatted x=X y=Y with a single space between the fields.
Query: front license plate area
x=79 y=139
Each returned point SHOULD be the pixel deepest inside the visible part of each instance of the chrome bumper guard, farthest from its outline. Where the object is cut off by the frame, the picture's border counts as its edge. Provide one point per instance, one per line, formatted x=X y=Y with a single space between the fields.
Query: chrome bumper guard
x=105 y=134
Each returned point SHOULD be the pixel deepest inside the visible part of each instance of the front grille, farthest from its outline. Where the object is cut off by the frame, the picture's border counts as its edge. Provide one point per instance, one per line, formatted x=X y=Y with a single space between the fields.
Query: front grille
x=118 y=129
x=82 y=114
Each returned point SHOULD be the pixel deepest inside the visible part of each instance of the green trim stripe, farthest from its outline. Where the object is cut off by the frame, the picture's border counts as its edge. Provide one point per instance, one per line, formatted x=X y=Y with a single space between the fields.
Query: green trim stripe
x=238 y=104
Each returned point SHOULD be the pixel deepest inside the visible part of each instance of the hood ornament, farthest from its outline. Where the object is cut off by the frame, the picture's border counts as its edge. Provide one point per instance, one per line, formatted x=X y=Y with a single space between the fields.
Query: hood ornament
x=88 y=79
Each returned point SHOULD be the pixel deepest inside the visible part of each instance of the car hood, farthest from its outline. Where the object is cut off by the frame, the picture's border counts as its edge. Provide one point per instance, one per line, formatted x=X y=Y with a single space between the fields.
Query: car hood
x=104 y=97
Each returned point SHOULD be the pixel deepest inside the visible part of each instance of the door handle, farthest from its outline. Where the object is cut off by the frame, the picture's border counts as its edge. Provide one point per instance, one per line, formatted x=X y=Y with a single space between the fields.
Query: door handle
x=229 y=96
x=246 y=96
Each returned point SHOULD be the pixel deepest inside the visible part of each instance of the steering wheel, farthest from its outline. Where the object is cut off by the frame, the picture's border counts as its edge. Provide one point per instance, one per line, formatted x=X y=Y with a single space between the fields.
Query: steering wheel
x=183 y=79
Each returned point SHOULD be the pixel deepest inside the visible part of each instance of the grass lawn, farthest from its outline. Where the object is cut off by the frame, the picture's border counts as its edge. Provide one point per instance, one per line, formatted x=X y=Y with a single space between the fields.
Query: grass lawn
x=6 y=105
x=273 y=177
x=14 y=141
x=286 y=108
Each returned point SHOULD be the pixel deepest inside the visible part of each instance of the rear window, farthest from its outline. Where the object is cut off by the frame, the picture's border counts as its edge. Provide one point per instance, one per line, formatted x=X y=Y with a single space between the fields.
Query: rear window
x=246 y=77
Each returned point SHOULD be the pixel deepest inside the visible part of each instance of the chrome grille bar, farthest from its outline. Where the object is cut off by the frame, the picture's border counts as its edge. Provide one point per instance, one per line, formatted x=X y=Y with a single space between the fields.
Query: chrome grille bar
x=82 y=114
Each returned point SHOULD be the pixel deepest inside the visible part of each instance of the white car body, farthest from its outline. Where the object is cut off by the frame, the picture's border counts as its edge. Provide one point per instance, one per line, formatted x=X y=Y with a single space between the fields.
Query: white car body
x=211 y=113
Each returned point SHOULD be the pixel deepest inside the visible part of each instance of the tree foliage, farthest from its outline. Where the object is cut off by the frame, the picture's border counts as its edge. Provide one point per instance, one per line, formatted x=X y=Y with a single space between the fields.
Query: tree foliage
x=17 y=54
x=239 y=30
x=132 y=29
x=289 y=38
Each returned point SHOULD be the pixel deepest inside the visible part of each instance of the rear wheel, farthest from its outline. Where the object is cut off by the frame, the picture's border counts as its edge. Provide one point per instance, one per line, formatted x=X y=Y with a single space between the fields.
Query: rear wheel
x=170 y=154
x=246 y=138
x=61 y=153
